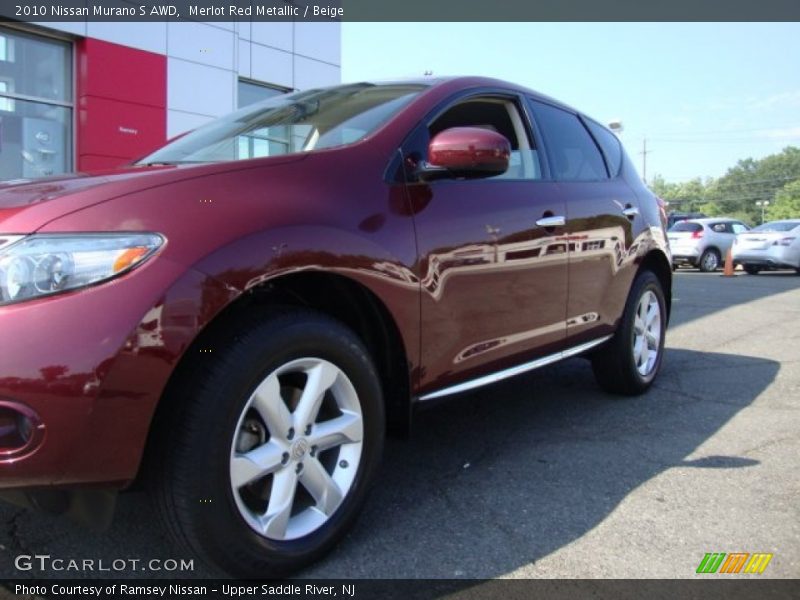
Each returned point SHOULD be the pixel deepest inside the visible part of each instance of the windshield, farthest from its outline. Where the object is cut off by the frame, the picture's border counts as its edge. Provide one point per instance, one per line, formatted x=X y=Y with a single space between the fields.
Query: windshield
x=776 y=226
x=298 y=122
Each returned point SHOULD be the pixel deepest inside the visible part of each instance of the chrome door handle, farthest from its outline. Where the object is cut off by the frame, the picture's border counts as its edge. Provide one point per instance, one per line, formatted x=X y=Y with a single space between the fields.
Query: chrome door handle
x=548 y=222
x=631 y=212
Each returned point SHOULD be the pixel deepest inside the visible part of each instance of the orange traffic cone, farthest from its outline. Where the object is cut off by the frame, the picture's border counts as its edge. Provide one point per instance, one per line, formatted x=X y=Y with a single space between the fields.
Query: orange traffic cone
x=728 y=272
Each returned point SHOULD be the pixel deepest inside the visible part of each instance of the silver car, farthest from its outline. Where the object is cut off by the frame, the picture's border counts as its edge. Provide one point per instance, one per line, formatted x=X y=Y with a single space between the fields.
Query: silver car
x=703 y=243
x=774 y=245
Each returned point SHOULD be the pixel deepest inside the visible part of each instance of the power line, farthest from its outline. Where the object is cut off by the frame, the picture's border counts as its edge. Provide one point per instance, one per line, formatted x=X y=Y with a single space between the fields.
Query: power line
x=729 y=141
x=750 y=182
x=724 y=131
x=764 y=181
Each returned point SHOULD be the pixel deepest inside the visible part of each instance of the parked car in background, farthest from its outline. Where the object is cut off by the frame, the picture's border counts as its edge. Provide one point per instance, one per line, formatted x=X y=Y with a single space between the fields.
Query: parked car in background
x=703 y=243
x=675 y=217
x=238 y=318
x=773 y=245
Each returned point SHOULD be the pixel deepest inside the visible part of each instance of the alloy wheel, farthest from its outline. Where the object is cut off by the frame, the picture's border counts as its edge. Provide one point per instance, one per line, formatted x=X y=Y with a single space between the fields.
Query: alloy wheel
x=647 y=333
x=710 y=261
x=296 y=449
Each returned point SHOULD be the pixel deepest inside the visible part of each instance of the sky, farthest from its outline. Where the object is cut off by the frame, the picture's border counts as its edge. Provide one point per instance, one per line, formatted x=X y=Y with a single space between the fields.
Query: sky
x=704 y=95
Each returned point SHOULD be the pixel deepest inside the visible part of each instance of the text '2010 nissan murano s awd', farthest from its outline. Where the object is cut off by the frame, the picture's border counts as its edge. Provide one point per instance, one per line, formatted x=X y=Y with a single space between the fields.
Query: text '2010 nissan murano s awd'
x=238 y=318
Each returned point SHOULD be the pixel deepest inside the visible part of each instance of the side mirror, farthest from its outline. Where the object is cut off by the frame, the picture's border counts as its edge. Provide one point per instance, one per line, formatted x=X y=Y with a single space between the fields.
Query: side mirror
x=469 y=152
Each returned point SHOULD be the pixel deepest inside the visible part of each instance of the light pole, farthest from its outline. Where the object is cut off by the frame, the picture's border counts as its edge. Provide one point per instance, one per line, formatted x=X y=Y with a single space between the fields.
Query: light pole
x=763 y=204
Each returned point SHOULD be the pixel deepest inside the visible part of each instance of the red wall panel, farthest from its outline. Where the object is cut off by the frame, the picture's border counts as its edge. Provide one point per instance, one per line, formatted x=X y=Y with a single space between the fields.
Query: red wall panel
x=122 y=100
x=116 y=128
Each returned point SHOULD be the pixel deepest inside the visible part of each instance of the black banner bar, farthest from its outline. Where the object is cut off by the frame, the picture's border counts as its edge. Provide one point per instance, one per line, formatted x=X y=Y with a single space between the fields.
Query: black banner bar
x=400 y=10
x=729 y=588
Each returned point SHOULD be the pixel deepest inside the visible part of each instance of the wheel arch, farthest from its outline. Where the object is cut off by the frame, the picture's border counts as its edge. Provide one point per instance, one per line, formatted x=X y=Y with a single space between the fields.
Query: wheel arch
x=657 y=262
x=331 y=294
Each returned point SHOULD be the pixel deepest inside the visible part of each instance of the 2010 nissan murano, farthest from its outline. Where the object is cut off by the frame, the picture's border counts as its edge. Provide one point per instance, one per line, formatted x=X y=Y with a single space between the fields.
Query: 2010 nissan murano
x=237 y=319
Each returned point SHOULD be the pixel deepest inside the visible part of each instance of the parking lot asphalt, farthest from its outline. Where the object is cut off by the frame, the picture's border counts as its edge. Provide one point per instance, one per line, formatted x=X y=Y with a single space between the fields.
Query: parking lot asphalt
x=546 y=476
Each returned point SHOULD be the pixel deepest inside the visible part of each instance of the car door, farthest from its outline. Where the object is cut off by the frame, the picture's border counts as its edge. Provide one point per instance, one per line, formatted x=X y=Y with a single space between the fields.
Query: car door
x=494 y=283
x=602 y=219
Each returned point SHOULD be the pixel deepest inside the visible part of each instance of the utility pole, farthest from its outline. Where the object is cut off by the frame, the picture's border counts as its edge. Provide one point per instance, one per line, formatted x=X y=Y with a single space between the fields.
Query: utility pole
x=644 y=154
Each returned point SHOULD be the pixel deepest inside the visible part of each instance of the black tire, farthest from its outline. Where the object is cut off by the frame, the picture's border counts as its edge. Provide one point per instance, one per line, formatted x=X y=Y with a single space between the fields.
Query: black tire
x=709 y=261
x=674 y=267
x=193 y=489
x=614 y=364
x=751 y=269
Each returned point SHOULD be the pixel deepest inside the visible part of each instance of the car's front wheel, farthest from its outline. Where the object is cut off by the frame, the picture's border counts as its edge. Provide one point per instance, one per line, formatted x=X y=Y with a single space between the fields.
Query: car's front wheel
x=629 y=362
x=273 y=446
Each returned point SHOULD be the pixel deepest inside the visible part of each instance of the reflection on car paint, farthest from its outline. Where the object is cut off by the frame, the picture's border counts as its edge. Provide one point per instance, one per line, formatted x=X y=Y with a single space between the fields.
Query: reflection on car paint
x=489 y=345
x=600 y=243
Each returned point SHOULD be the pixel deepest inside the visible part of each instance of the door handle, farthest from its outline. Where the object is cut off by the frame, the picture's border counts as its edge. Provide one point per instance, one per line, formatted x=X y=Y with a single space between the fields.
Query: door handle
x=630 y=212
x=555 y=221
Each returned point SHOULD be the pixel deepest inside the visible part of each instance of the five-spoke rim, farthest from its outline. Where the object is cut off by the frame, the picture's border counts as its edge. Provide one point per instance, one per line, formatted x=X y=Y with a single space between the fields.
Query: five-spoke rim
x=296 y=449
x=647 y=333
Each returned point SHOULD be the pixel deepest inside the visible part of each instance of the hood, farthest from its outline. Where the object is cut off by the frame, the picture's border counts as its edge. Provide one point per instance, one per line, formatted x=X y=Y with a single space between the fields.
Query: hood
x=28 y=205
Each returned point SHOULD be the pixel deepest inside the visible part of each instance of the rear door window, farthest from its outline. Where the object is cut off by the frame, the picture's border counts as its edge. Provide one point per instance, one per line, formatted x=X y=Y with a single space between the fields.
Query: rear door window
x=720 y=228
x=609 y=144
x=573 y=154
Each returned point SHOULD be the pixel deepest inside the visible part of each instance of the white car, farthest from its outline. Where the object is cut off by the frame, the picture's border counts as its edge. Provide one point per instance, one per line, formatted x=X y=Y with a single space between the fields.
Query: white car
x=703 y=243
x=773 y=245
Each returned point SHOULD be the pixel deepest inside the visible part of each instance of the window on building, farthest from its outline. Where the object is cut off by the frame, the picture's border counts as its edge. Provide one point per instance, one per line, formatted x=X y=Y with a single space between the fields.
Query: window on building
x=267 y=141
x=35 y=106
x=251 y=92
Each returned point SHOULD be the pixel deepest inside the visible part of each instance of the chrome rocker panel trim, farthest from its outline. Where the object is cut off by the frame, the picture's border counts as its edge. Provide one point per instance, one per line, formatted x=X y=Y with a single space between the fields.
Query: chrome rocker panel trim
x=513 y=371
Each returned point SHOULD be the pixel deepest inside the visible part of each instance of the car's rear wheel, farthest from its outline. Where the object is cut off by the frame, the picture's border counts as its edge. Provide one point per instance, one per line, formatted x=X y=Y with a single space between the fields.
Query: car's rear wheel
x=274 y=446
x=629 y=362
x=709 y=261
x=751 y=269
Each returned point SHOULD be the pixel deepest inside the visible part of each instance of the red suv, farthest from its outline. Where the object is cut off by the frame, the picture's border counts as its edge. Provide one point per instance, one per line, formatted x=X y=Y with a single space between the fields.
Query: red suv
x=238 y=318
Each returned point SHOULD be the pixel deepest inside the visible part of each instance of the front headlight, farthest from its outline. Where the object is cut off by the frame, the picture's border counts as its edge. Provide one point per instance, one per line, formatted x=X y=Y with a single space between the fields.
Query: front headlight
x=44 y=264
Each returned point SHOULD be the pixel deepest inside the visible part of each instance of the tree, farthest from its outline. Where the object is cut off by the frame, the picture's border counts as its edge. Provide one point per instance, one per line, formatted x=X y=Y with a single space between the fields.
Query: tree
x=712 y=209
x=684 y=196
x=787 y=202
x=735 y=194
x=661 y=188
x=752 y=180
x=692 y=194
